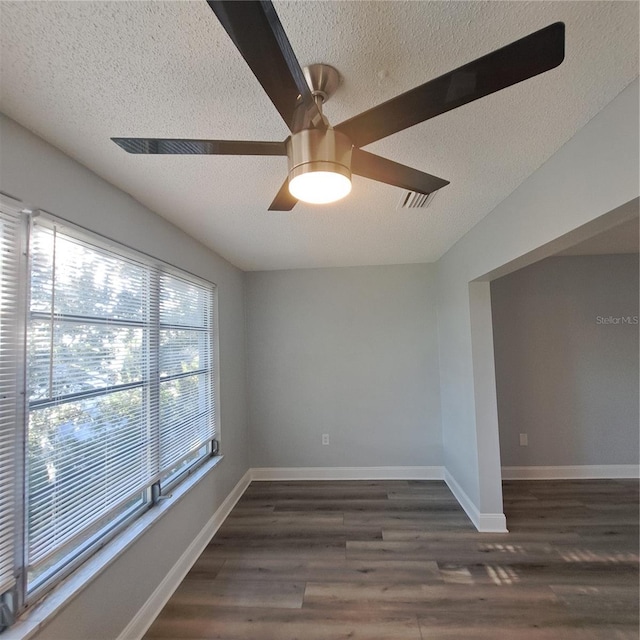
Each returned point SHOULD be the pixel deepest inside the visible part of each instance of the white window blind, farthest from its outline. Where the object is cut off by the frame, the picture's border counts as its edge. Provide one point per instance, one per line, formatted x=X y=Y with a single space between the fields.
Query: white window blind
x=10 y=366
x=187 y=410
x=120 y=367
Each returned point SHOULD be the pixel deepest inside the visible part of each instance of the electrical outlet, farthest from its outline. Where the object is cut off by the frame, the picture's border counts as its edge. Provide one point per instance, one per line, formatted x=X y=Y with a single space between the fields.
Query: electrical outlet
x=524 y=440
x=325 y=439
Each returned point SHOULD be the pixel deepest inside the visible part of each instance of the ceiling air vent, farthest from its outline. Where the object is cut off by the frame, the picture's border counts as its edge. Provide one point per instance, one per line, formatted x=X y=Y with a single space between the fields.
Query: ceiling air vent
x=413 y=200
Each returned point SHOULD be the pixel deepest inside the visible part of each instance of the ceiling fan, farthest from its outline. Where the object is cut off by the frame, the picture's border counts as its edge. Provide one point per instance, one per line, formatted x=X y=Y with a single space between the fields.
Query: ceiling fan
x=321 y=157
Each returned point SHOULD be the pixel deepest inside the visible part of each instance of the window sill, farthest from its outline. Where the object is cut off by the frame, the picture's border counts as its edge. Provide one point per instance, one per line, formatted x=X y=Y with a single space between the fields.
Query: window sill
x=41 y=613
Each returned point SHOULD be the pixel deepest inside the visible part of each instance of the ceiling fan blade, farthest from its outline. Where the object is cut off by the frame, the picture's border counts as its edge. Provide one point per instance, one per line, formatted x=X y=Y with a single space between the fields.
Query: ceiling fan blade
x=283 y=201
x=257 y=32
x=208 y=147
x=374 y=167
x=518 y=61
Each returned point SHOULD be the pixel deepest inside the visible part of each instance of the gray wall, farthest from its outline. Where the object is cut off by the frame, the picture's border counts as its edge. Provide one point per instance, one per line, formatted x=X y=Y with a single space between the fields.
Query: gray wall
x=350 y=352
x=563 y=376
x=43 y=177
x=593 y=173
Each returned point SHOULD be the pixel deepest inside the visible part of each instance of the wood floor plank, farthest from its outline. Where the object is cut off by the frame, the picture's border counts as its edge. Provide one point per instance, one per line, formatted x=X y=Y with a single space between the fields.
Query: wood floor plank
x=614 y=633
x=289 y=518
x=309 y=495
x=585 y=574
x=472 y=632
x=505 y=614
x=215 y=623
x=329 y=486
x=368 y=506
x=272 y=535
x=414 y=520
x=421 y=598
x=599 y=600
x=472 y=553
x=232 y=592
x=298 y=529
x=265 y=549
x=471 y=535
x=340 y=570
x=252 y=509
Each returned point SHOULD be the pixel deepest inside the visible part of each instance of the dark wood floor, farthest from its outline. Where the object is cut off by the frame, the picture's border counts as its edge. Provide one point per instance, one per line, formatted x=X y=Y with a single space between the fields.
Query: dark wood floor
x=399 y=560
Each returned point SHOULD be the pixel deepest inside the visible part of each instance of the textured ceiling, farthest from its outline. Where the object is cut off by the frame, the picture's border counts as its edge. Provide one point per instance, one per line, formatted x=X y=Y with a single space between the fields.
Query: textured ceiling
x=625 y=238
x=77 y=73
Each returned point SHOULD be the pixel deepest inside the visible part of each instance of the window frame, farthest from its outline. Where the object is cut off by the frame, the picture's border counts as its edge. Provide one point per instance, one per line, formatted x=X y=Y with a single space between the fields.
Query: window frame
x=15 y=597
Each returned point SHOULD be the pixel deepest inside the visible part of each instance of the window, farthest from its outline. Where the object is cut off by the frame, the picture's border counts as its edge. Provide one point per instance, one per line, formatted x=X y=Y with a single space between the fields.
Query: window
x=120 y=402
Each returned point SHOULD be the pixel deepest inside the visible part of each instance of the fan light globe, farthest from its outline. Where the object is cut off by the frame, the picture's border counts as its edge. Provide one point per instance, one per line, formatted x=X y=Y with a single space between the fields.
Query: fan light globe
x=319 y=187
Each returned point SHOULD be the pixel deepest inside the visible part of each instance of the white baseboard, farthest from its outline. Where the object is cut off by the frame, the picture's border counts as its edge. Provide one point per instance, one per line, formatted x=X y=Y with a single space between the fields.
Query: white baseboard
x=483 y=522
x=347 y=473
x=152 y=607
x=586 y=472
x=492 y=523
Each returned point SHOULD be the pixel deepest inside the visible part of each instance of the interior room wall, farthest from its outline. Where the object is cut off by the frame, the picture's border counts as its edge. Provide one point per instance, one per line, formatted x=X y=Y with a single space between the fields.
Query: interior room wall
x=44 y=177
x=349 y=352
x=566 y=350
x=592 y=174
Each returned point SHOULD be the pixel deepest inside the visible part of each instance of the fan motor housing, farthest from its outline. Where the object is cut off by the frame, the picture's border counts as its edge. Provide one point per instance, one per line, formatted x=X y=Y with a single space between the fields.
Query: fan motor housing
x=315 y=150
